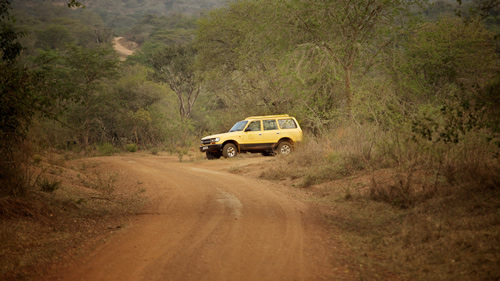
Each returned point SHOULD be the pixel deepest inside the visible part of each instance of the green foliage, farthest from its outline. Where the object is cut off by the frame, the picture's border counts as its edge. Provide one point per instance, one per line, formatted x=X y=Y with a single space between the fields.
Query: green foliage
x=239 y=51
x=450 y=124
x=171 y=30
x=301 y=57
x=120 y=16
x=135 y=109
x=54 y=37
x=87 y=69
x=23 y=96
x=9 y=36
x=37 y=159
x=447 y=58
x=144 y=54
x=131 y=147
x=174 y=66
x=107 y=149
x=74 y=4
x=450 y=66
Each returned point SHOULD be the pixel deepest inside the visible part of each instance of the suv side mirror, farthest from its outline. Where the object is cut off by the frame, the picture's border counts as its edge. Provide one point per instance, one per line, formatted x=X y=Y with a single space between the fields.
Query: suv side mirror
x=248 y=129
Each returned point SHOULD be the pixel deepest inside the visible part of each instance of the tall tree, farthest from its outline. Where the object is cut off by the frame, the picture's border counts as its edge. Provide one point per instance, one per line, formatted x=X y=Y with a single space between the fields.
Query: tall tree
x=174 y=65
x=346 y=31
x=446 y=58
x=451 y=67
x=22 y=98
x=241 y=49
x=87 y=69
x=308 y=55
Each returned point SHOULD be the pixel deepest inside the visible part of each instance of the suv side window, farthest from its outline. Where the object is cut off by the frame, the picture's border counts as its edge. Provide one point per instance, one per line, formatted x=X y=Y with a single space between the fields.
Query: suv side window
x=287 y=124
x=269 y=125
x=253 y=126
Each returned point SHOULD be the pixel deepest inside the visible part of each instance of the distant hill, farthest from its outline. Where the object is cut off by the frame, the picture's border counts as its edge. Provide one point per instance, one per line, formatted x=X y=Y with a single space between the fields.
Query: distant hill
x=121 y=15
x=153 y=7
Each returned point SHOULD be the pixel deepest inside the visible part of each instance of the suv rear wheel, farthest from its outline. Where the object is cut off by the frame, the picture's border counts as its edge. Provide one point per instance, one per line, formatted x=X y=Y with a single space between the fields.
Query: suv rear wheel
x=229 y=150
x=284 y=148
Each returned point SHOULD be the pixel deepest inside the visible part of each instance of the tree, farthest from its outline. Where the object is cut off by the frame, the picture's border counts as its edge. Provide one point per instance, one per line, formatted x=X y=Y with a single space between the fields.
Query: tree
x=54 y=37
x=346 y=31
x=174 y=65
x=241 y=49
x=304 y=56
x=22 y=98
x=87 y=69
x=448 y=57
x=133 y=108
x=452 y=67
x=481 y=8
x=9 y=44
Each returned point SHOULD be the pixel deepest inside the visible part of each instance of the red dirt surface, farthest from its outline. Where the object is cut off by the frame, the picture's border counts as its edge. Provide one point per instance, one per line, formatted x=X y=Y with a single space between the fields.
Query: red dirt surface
x=205 y=223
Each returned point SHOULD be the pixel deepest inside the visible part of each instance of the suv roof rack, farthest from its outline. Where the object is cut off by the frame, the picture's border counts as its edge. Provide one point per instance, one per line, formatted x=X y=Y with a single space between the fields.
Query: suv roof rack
x=267 y=116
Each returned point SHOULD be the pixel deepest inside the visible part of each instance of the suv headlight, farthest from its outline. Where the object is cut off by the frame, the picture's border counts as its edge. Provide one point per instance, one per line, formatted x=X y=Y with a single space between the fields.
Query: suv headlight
x=214 y=140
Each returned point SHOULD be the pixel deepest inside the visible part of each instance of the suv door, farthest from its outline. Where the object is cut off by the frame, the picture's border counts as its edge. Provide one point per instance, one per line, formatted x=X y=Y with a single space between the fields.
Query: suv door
x=252 y=136
x=271 y=133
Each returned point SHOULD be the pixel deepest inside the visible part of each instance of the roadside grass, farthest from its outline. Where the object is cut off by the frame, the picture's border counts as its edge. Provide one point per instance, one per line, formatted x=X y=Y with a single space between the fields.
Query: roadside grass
x=67 y=212
x=408 y=209
x=452 y=237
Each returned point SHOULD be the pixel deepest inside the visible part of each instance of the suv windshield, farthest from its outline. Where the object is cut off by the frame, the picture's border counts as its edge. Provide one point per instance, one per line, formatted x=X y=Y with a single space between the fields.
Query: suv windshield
x=238 y=126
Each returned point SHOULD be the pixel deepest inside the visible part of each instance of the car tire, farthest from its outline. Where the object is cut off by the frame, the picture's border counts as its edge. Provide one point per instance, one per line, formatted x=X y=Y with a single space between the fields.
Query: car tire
x=229 y=150
x=284 y=148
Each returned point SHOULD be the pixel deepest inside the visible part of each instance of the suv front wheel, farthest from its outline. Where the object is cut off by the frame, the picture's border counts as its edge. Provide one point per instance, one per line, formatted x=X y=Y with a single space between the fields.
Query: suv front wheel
x=229 y=150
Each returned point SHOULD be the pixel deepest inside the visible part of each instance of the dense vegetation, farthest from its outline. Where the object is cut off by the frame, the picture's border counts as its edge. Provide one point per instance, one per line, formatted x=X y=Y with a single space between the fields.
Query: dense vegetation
x=399 y=85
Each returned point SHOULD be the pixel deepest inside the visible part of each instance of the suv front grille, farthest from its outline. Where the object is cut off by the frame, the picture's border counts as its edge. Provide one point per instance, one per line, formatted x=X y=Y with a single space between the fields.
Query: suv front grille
x=205 y=141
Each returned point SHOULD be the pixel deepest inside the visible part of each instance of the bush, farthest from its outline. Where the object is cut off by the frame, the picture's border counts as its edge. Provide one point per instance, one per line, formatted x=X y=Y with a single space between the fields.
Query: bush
x=37 y=159
x=107 y=149
x=131 y=147
x=405 y=168
x=321 y=159
x=48 y=186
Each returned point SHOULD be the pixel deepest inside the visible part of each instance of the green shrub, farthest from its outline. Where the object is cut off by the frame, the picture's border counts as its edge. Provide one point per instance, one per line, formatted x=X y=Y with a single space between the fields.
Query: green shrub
x=131 y=147
x=107 y=149
x=155 y=151
x=37 y=159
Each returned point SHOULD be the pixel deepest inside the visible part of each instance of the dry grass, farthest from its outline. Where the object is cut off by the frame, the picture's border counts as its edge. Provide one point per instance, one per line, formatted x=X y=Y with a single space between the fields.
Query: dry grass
x=315 y=162
x=452 y=237
x=36 y=228
x=409 y=210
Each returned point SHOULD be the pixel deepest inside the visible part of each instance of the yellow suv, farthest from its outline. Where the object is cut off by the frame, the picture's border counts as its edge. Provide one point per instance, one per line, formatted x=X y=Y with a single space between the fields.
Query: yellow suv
x=272 y=134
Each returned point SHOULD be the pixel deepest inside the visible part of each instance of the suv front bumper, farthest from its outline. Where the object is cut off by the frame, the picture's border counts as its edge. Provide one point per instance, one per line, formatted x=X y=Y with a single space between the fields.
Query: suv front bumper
x=211 y=147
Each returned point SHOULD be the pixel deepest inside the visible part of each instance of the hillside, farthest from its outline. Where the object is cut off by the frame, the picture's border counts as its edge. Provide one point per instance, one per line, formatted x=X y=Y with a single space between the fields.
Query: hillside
x=119 y=15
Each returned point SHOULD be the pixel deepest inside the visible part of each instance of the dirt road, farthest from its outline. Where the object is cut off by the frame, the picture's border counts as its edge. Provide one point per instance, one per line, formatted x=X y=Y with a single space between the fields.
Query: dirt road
x=205 y=223
x=122 y=50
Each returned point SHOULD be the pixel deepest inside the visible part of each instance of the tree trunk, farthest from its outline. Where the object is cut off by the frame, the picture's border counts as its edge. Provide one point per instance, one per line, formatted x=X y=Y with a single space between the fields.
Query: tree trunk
x=348 y=91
